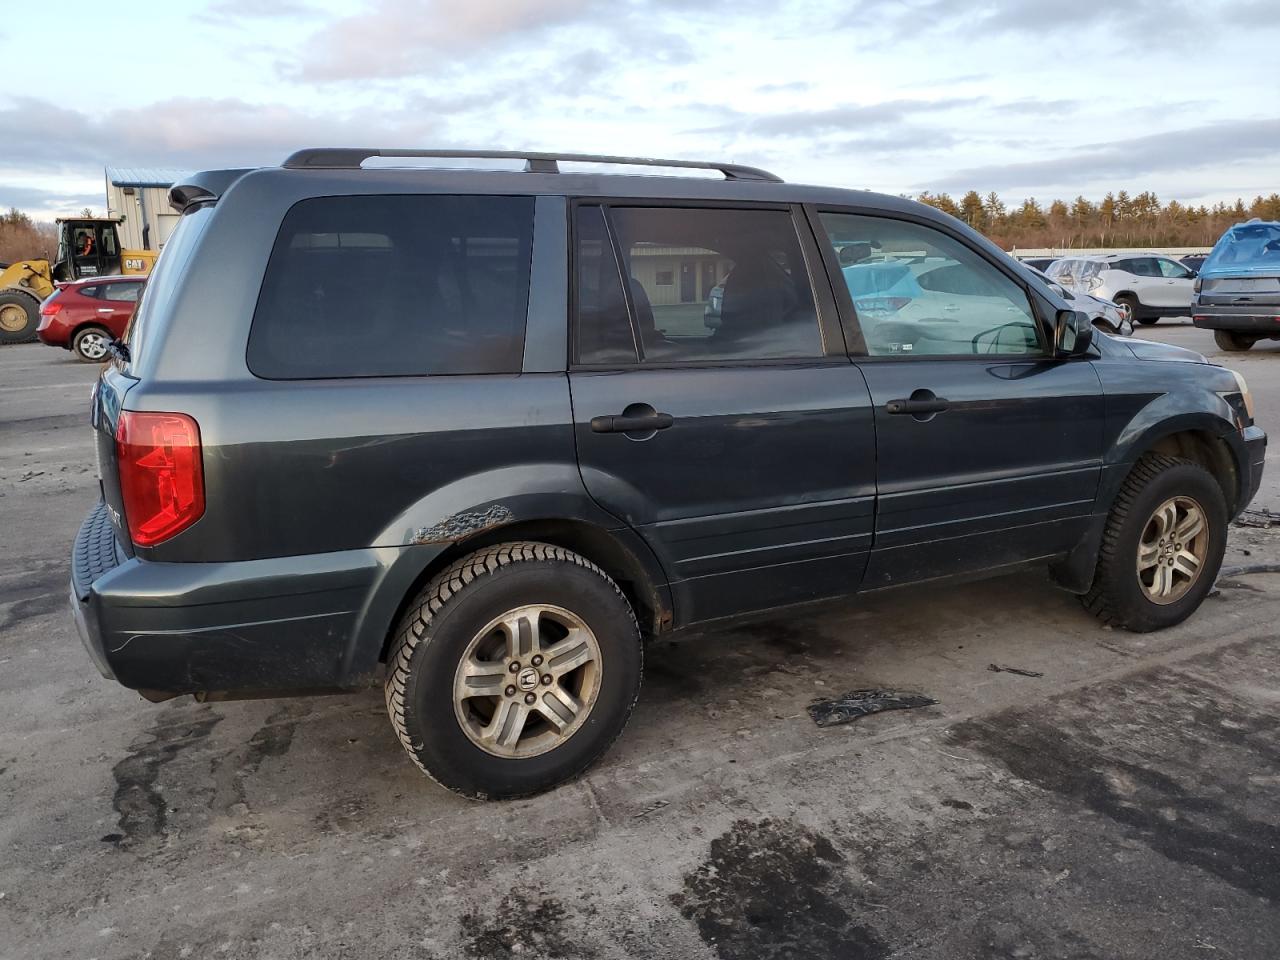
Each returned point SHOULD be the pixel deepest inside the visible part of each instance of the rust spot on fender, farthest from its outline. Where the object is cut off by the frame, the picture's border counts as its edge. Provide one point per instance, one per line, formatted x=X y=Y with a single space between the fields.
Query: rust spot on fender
x=462 y=525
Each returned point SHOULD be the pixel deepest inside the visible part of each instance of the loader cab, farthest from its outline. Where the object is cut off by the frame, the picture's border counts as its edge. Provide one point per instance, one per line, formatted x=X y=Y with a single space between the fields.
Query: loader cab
x=87 y=248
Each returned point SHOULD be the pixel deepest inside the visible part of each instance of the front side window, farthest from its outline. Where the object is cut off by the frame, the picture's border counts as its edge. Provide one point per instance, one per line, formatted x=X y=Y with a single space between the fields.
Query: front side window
x=918 y=292
x=701 y=285
x=376 y=286
x=1173 y=270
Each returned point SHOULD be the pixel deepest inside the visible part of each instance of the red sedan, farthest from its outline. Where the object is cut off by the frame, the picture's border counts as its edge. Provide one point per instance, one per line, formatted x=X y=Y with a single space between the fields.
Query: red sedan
x=86 y=315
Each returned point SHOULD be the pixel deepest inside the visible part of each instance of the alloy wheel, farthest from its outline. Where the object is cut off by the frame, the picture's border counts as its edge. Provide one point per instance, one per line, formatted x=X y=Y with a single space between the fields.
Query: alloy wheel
x=527 y=681
x=92 y=346
x=1172 y=549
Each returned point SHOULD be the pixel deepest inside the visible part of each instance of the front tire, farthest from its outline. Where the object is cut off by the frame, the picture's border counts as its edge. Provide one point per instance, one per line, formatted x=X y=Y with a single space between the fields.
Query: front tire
x=1232 y=341
x=513 y=670
x=1162 y=546
x=19 y=317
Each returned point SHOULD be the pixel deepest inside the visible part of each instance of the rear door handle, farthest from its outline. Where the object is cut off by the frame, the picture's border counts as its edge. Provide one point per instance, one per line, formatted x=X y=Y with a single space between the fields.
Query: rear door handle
x=634 y=424
x=915 y=407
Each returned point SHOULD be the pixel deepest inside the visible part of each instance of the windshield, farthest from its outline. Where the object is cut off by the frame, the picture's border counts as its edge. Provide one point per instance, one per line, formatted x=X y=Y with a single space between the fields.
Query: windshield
x=164 y=279
x=1247 y=248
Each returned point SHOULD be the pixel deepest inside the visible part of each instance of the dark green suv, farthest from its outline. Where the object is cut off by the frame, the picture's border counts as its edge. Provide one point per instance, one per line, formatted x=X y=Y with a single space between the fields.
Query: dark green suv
x=468 y=434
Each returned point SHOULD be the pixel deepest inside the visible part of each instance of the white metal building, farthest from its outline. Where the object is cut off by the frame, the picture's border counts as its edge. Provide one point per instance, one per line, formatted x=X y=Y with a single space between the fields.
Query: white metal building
x=140 y=195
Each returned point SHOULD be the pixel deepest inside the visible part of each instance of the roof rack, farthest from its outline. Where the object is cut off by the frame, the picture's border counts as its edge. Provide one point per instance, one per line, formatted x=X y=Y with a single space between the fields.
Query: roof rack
x=350 y=158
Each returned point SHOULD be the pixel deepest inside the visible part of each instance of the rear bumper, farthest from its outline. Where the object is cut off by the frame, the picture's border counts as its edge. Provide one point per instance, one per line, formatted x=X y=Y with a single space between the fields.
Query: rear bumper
x=1250 y=318
x=287 y=623
x=55 y=335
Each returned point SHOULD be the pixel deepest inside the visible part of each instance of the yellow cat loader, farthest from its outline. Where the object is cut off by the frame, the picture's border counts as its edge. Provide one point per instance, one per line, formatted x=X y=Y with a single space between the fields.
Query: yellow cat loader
x=87 y=247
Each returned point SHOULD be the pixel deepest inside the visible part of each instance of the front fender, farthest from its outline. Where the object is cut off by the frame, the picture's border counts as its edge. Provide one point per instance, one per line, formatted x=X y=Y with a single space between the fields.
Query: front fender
x=1199 y=410
x=1138 y=422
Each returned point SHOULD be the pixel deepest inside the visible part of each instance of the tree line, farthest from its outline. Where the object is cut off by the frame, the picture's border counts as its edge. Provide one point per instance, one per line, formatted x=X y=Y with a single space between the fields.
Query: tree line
x=1119 y=220
x=22 y=238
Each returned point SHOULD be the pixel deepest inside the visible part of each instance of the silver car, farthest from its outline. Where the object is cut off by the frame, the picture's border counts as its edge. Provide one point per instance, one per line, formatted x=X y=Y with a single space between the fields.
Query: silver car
x=1107 y=316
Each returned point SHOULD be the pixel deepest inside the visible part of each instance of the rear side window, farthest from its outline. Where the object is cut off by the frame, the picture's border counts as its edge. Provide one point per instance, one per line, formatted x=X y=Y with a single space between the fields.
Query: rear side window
x=692 y=285
x=122 y=292
x=89 y=292
x=1140 y=266
x=395 y=286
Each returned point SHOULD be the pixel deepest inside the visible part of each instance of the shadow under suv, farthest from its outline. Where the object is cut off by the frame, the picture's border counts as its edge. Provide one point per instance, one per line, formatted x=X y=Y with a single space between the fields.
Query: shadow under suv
x=467 y=434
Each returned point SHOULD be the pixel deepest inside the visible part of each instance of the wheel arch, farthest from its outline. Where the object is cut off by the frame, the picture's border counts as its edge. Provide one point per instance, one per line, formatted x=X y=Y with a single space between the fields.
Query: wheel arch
x=619 y=552
x=1201 y=437
x=1206 y=436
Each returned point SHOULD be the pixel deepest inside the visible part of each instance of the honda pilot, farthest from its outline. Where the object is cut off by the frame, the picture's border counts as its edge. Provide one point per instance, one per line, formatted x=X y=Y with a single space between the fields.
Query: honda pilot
x=475 y=436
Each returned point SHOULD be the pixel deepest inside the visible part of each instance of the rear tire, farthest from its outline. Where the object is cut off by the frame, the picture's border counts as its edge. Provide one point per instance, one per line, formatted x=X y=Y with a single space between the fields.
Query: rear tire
x=1233 y=342
x=19 y=317
x=90 y=344
x=473 y=699
x=1134 y=557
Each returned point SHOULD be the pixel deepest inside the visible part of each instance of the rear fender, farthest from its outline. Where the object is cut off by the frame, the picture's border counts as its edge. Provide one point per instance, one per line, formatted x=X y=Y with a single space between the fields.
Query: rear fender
x=548 y=502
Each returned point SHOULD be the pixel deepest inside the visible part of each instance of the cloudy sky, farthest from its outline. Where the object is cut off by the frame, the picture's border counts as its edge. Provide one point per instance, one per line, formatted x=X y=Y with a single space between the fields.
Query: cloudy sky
x=1040 y=98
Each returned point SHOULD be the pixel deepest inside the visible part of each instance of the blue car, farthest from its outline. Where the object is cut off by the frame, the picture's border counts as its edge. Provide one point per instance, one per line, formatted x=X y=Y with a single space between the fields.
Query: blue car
x=1237 y=294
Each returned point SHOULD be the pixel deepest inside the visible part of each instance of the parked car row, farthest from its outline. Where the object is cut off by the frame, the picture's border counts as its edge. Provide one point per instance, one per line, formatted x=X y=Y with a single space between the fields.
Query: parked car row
x=86 y=315
x=1145 y=287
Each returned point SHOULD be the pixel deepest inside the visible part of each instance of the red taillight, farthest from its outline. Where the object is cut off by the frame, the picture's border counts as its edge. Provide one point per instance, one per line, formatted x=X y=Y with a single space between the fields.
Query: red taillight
x=50 y=308
x=161 y=474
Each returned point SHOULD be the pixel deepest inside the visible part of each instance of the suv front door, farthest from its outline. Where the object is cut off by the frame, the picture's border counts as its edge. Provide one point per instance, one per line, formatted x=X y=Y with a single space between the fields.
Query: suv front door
x=988 y=449
x=743 y=450
x=1174 y=288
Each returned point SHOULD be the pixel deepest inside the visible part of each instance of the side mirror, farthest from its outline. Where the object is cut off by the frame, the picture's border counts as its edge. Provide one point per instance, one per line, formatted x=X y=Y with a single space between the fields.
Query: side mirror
x=1073 y=332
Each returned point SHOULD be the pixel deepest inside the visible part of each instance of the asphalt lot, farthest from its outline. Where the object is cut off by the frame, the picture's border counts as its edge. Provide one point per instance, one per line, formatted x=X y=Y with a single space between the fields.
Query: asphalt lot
x=1124 y=804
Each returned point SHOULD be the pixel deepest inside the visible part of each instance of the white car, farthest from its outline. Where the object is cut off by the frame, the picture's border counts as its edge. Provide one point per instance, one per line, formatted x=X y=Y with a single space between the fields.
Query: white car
x=1146 y=286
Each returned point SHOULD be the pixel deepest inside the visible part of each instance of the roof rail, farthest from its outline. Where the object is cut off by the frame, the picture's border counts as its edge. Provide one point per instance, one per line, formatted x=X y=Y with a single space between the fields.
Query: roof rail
x=350 y=158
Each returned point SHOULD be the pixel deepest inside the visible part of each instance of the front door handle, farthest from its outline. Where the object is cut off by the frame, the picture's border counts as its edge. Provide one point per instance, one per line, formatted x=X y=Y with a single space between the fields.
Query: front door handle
x=915 y=407
x=635 y=423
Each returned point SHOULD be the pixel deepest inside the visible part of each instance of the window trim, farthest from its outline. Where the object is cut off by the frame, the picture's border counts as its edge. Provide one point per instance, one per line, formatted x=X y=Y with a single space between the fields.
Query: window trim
x=830 y=331
x=848 y=314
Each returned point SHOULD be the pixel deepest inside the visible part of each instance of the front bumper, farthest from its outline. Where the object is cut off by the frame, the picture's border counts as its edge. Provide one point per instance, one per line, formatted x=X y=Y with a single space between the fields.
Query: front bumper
x=1255 y=445
x=278 y=624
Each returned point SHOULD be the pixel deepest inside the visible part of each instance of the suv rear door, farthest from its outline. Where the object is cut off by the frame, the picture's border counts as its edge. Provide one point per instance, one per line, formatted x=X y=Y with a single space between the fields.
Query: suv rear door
x=736 y=437
x=989 y=449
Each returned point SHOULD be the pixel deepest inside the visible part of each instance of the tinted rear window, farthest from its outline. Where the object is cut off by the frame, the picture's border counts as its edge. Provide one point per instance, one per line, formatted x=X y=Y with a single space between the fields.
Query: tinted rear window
x=395 y=286
x=165 y=277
